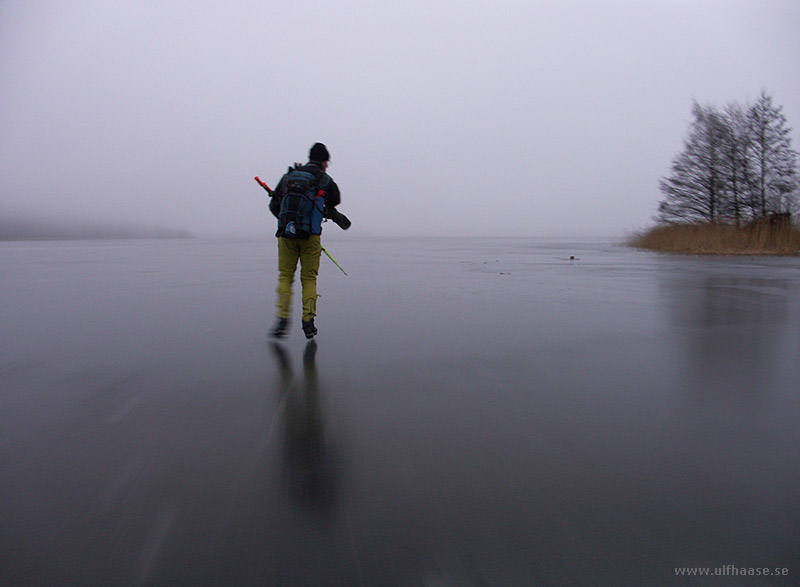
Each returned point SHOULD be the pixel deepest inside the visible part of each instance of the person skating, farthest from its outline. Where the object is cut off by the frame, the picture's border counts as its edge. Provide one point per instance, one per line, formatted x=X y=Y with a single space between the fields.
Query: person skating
x=304 y=196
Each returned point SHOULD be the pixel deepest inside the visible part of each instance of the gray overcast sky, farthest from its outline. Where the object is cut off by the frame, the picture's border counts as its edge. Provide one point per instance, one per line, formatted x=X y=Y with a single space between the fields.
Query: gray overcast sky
x=495 y=117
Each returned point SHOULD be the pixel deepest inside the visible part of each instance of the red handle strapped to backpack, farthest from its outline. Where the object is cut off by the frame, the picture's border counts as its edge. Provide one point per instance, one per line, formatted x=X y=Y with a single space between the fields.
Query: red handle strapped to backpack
x=263 y=185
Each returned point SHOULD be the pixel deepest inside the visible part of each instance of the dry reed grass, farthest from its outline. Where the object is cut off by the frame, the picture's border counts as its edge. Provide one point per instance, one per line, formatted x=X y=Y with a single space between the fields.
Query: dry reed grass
x=760 y=238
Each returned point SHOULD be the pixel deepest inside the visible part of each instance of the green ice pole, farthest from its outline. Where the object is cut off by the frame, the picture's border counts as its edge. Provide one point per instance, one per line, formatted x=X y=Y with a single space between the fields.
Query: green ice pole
x=332 y=259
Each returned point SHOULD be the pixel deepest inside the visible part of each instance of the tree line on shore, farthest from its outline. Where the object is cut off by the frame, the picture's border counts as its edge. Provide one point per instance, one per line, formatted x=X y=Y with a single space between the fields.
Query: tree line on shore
x=19 y=226
x=737 y=167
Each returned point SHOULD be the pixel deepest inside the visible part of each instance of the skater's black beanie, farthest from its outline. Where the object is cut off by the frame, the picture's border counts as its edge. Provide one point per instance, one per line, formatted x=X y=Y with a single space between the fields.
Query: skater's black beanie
x=319 y=153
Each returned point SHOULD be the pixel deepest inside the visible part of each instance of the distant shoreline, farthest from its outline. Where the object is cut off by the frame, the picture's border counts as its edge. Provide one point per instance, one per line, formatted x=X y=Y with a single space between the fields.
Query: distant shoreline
x=26 y=229
x=34 y=239
x=758 y=239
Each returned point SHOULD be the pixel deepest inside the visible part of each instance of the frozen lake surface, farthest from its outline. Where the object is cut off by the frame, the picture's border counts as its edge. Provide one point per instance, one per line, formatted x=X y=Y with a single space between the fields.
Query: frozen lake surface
x=474 y=412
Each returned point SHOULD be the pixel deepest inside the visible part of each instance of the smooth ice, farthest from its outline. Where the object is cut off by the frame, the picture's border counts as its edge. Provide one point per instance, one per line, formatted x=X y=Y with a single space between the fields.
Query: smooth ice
x=472 y=412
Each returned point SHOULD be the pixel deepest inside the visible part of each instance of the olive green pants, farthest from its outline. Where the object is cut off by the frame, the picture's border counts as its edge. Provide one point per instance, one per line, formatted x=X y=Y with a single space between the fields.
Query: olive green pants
x=308 y=252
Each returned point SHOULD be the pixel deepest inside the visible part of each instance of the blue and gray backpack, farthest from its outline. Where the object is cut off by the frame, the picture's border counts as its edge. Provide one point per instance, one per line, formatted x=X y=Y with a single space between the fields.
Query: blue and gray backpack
x=302 y=205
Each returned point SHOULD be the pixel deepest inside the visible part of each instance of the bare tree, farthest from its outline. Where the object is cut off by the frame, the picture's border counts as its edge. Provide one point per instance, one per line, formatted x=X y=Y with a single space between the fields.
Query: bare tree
x=695 y=188
x=736 y=168
x=772 y=158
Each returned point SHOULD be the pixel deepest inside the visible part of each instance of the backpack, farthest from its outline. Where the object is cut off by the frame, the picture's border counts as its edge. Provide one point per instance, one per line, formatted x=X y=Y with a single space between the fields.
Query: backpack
x=303 y=202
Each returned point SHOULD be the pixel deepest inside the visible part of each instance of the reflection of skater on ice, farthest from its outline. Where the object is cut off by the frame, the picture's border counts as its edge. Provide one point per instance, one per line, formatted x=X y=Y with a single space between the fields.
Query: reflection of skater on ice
x=306 y=465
